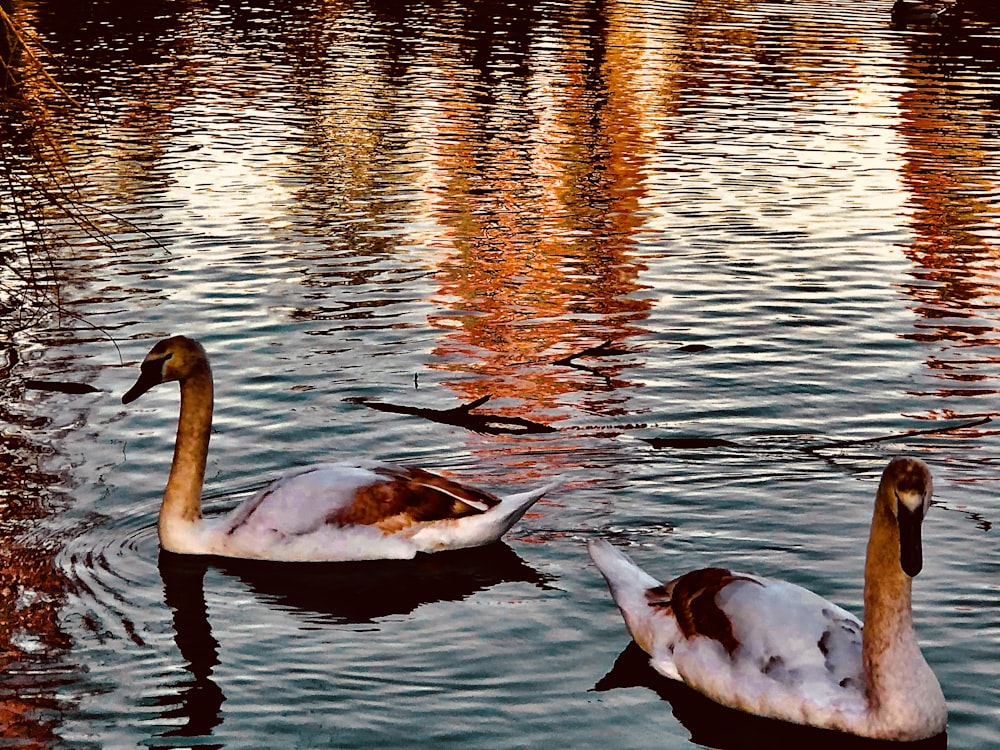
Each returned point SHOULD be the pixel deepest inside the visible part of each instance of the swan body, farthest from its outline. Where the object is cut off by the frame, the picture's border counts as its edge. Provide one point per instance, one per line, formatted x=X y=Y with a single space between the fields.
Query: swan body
x=775 y=649
x=361 y=510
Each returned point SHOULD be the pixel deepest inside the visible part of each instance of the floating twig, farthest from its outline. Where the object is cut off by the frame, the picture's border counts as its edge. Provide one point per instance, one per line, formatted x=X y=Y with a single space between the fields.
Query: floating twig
x=604 y=349
x=689 y=443
x=461 y=416
x=697 y=443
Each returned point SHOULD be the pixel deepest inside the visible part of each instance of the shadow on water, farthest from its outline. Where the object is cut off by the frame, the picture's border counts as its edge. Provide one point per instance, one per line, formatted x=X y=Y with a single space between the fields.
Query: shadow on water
x=725 y=728
x=198 y=700
x=342 y=592
x=362 y=592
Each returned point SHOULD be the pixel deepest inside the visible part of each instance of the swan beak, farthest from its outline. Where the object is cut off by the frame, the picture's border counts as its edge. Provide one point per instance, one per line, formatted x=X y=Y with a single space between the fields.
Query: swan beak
x=911 y=557
x=148 y=377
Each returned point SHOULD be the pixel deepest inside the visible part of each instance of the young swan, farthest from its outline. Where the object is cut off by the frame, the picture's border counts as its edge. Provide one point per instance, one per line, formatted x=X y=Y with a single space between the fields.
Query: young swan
x=771 y=648
x=361 y=510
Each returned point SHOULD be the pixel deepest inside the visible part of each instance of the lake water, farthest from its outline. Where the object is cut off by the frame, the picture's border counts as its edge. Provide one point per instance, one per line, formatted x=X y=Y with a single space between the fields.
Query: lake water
x=784 y=216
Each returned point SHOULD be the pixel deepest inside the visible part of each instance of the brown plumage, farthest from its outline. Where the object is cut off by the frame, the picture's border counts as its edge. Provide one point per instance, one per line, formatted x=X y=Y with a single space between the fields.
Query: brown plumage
x=410 y=495
x=691 y=599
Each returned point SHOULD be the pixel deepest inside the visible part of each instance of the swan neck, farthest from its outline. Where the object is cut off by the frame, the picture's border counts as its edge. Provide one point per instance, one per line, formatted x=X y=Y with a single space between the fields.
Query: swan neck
x=890 y=646
x=182 y=497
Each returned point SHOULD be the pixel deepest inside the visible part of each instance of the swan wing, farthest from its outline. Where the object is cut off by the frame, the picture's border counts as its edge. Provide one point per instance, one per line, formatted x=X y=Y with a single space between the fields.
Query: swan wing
x=378 y=495
x=795 y=634
x=764 y=646
x=775 y=649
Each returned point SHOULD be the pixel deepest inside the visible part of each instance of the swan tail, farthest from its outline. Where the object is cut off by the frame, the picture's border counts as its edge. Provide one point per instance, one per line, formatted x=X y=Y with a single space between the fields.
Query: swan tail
x=512 y=508
x=629 y=585
x=482 y=528
x=626 y=580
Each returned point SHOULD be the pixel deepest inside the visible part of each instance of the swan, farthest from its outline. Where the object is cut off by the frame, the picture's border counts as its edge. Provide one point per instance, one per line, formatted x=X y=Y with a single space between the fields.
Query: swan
x=356 y=510
x=775 y=649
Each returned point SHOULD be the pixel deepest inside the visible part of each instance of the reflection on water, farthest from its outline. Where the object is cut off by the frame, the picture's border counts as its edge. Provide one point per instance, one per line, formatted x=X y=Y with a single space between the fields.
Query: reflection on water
x=31 y=594
x=352 y=593
x=713 y=725
x=950 y=167
x=195 y=700
x=366 y=591
x=565 y=270
x=686 y=241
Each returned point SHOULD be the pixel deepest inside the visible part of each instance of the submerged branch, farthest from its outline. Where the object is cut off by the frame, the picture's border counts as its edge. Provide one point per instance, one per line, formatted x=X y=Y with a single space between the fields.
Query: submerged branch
x=60 y=386
x=699 y=443
x=897 y=436
x=604 y=349
x=461 y=416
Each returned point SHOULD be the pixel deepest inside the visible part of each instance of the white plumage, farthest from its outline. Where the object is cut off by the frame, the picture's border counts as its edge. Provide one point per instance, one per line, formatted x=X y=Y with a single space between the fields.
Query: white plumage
x=775 y=649
x=360 y=510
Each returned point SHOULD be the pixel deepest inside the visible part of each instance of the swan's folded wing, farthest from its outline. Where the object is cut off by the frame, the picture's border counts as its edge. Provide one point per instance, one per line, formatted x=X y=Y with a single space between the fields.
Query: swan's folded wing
x=365 y=494
x=796 y=639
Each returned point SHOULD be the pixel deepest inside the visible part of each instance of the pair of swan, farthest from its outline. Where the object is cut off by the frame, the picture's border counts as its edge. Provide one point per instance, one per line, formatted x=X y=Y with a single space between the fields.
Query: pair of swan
x=764 y=646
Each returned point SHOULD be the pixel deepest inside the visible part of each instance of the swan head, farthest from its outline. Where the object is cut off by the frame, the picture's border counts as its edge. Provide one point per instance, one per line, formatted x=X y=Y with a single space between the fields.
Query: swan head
x=175 y=358
x=907 y=486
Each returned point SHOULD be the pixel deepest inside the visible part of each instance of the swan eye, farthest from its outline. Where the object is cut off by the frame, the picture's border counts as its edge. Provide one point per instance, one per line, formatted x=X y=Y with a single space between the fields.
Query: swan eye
x=156 y=366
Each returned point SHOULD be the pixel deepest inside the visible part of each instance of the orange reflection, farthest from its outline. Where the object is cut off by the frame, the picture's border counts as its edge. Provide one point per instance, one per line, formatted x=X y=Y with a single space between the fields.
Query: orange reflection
x=540 y=257
x=950 y=169
x=31 y=593
x=32 y=589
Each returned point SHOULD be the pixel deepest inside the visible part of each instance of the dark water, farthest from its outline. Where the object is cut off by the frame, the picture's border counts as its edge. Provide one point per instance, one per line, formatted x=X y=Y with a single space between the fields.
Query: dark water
x=782 y=216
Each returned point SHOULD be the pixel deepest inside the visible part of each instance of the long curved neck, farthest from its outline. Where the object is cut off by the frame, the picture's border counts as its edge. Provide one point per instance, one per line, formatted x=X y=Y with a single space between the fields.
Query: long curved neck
x=895 y=670
x=888 y=621
x=182 y=497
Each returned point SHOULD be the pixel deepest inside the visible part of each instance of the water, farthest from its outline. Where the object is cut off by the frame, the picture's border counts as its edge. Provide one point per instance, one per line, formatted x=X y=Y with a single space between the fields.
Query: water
x=783 y=216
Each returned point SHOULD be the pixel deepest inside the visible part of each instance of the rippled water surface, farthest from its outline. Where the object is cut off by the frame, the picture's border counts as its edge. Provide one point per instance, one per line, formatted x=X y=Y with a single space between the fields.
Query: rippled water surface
x=774 y=226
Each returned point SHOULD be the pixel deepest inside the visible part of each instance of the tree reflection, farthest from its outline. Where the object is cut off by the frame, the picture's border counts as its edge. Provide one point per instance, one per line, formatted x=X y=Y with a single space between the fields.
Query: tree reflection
x=950 y=169
x=511 y=169
x=544 y=239
x=31 y=594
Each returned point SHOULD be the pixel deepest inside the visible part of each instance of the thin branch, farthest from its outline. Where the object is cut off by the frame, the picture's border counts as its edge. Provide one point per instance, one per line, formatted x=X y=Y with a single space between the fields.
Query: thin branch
x=12 y=28
x=461 y=416
x=897 y=436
